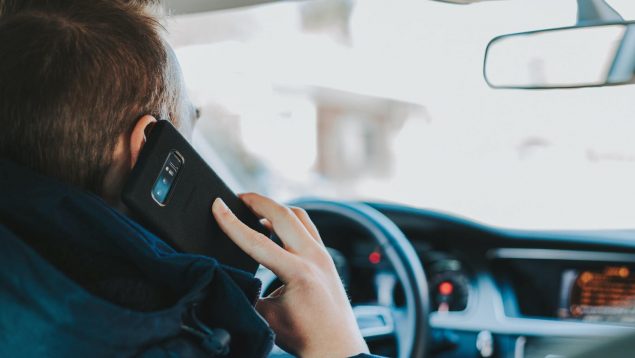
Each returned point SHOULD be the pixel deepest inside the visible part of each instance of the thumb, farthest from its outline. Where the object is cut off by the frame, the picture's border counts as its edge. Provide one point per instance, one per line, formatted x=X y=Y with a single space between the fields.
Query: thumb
x=272 y=311
x=270 y=307
x=268 y=310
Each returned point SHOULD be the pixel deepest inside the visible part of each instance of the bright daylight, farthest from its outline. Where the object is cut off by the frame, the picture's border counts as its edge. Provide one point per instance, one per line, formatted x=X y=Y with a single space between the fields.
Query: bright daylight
x=386 y=101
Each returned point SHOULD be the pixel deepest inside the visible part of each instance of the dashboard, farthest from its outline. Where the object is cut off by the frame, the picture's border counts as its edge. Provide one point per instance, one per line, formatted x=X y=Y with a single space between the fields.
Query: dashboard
x=497 y=292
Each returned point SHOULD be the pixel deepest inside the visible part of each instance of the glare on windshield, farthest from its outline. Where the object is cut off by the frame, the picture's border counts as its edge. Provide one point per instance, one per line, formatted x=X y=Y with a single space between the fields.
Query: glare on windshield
x=386 y=101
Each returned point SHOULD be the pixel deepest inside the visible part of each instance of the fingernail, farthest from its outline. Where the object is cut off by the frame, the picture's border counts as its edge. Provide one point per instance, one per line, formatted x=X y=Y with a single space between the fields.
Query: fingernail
x=220 y=204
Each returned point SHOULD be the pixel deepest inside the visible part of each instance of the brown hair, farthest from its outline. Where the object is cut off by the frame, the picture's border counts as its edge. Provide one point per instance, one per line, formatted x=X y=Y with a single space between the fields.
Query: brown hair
x=74 y=76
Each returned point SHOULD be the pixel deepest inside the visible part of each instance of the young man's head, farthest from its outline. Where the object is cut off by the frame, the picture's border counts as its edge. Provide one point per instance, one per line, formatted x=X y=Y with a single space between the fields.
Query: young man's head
x=80 y=82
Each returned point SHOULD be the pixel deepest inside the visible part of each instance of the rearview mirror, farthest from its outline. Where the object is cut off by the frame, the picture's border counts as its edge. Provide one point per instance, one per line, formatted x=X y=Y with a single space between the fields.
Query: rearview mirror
x=570 y=57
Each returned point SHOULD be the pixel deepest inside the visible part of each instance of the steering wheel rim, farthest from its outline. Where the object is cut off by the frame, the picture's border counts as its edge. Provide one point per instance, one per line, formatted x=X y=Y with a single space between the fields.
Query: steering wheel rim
x=412 y=342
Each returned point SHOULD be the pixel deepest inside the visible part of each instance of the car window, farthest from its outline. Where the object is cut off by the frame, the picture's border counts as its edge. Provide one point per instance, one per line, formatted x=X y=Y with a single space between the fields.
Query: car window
x=386 y=101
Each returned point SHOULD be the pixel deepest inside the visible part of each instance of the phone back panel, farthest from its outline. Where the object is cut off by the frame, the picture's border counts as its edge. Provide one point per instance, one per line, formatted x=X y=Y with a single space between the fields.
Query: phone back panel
x=185 y=219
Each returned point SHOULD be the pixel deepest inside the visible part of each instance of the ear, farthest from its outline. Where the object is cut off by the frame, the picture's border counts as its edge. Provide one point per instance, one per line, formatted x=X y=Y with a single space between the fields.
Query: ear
x=138 y=136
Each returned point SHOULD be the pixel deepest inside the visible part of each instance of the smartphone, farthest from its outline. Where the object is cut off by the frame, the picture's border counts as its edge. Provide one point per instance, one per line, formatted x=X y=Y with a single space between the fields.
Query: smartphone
x=171 y=190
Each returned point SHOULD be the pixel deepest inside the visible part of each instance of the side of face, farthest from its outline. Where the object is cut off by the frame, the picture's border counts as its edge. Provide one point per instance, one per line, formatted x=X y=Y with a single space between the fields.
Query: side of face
x=129 y=145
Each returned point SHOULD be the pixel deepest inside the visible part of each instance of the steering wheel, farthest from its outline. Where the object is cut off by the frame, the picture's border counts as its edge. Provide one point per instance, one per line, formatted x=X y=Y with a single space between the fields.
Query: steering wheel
x=409 y=324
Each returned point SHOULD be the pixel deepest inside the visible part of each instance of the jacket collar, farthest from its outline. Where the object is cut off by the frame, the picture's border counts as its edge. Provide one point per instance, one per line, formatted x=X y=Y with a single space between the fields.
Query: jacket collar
x=31 y=204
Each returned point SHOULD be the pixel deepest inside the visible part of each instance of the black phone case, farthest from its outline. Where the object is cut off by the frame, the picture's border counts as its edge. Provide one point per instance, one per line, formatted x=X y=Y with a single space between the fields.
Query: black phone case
x=185 y=221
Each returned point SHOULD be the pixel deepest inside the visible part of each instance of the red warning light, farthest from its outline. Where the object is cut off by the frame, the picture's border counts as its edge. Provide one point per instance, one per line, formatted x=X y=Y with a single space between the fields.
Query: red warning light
x=446 y=288
x=374 y=257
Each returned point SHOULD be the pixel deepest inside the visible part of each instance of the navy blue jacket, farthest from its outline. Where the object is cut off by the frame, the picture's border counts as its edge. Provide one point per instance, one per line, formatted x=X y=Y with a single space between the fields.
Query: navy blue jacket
x=80 y=279
x=117 y=264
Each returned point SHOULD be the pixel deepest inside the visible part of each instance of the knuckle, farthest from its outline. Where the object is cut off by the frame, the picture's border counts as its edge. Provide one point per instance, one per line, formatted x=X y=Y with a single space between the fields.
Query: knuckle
x=227 y=216
x=249 y=198
x=257 y=239
x=257 y=246
x=323 y=259
x=299 y=212
x=315 y=269
x=307 y=273
x=303 y=267
x=249 y=195
x=285 y=213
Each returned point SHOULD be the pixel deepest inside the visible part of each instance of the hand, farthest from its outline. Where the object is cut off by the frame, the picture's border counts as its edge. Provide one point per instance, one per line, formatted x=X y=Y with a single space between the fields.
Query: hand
x=310 y=313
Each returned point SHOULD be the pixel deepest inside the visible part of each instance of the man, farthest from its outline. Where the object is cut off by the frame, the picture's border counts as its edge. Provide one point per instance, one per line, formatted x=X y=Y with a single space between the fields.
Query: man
x=81 y=82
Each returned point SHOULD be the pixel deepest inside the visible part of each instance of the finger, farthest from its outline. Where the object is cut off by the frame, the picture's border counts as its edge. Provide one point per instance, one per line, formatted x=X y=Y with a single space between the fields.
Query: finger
x=255 y=244
x=308 y=223
x=267 y=224
x=285 y=223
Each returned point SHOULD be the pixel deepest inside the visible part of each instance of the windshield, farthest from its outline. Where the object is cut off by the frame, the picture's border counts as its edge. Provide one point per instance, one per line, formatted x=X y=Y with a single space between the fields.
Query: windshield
x=385 y=101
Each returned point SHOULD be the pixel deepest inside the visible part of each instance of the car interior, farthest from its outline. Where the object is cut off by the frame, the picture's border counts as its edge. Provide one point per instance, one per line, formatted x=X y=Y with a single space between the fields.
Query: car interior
x=469 y=164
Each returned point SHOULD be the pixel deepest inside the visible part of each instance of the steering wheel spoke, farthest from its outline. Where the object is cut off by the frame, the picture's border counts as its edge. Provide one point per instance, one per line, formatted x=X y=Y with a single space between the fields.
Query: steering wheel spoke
x=374 y=321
